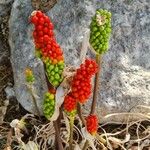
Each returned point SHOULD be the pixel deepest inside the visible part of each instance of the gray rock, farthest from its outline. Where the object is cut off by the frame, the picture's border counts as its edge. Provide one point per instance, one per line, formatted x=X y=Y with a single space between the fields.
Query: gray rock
x=22 y=56
x=9 y=92
x=125 y=76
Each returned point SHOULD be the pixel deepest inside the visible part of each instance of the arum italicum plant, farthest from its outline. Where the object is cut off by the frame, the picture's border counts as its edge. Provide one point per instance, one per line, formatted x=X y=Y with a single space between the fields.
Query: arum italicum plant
x=49 y=51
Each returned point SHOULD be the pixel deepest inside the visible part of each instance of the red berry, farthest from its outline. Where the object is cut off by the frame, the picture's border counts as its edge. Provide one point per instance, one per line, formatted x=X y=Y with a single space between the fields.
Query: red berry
x=39 y=28
x=47 y=20
x=40 y=33
x=92 y=124
x=46 y=38
x=51 y=26
x=34 y=19
x=39 y=14
x=41 y=21
x=45 y=30
x=41 y=40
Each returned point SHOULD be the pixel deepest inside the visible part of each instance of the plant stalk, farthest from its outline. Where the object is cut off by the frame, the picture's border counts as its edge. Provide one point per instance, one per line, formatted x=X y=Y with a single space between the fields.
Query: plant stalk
x=96 y=84
x=34 y=99
x=85 y=145
x=56 y=123
x=58 y=140
x=71 y=133
x=101 y=139
x=79 y=111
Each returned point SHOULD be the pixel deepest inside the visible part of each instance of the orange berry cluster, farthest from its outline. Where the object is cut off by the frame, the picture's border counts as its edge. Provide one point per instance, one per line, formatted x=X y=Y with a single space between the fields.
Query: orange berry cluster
x=81 y=85
x=92 y=124
x=46 y=43
x=70 y=103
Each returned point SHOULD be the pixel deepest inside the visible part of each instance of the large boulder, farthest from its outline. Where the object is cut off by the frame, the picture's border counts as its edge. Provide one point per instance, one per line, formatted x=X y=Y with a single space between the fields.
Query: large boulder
x=125 y=76
x=23 y=56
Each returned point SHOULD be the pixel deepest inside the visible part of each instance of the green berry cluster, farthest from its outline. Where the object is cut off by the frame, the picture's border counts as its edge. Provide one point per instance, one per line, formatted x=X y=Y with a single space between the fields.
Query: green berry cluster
x=100 y=29
x=29 y=75
x=38 y=53
x=49 y=105
x=54 y=72
x=72 y=113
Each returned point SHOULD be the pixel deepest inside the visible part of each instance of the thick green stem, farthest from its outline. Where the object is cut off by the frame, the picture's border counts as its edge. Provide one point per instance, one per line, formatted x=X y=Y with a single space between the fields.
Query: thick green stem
x=71 y=133
x=96 y=84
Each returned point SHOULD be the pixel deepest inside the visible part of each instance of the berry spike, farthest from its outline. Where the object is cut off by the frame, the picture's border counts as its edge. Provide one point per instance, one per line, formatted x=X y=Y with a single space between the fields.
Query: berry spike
x=100 y=29
x=49 y=105
x=92 y=124
x=47 y=47
x=81 y=83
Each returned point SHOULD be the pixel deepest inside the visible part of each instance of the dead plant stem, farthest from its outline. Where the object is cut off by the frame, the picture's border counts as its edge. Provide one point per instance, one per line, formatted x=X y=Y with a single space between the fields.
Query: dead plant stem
x=79 y=111
x=96 y=84
x=71 y=133
x=58 y=140
x=34 y=99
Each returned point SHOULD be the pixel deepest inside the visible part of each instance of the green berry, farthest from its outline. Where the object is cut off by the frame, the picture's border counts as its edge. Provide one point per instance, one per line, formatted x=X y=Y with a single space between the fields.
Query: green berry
x=57 y=76
x=55 y=83
x=51 y=96
x=51 y=67
x=56 y=69
x=60 y=63
x=52 y=78
x=52 y=73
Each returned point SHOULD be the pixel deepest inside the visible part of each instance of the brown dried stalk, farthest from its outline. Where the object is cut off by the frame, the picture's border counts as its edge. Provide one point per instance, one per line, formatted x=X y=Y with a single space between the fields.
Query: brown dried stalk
x=33 y=98
x=58 y=140
x=71 y=133
x=79 y=111
x=96 y=84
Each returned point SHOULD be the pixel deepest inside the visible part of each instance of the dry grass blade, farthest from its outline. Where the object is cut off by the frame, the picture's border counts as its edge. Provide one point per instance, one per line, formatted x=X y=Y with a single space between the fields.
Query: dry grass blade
x=45 y=136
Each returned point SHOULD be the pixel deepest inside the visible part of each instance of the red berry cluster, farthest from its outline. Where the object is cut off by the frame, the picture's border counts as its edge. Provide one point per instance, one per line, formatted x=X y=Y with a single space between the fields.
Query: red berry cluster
x=81 y=84
x=69 y=103
x=92 y=124
x=44 y=37
x=47 y=47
